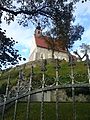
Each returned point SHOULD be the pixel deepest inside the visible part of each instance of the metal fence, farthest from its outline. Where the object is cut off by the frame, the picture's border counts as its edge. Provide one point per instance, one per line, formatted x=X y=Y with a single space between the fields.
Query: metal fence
x=56 y=86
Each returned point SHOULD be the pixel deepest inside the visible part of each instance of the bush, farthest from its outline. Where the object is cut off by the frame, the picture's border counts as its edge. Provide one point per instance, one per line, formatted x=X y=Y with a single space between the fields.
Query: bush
x=3 y=88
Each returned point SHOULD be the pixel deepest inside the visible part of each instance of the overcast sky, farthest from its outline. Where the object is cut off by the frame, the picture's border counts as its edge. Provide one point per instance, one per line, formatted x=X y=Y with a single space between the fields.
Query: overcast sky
x=25 y=35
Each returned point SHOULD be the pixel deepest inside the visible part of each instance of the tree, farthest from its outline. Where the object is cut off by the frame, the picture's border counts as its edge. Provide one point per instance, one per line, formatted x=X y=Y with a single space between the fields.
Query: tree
x=8 y=54
x=63 y=31
x=53 y=42
x=32 y=10
x=85 y=49
x=83 y=1
x=55 y=11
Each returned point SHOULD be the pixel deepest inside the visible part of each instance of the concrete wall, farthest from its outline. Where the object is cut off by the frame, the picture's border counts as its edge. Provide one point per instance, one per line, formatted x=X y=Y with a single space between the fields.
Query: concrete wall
x=38 y=96
x=50 y=96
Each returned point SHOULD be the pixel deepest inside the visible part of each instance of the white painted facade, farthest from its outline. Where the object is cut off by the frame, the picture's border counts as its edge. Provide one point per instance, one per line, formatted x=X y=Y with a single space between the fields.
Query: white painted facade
x=39 y=52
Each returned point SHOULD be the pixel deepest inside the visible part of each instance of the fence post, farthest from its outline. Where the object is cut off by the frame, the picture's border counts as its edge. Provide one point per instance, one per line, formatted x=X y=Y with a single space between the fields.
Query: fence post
x=42 y=99
x=43 y=69
x=57 y=80
x=17 y=94
x=88 y=66
x=29 y=96
x=71 y=61
x=5 y=97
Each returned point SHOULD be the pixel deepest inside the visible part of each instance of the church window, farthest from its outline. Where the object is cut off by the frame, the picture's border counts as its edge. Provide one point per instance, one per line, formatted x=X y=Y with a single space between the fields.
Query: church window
x=38 y=32
x=42 y=56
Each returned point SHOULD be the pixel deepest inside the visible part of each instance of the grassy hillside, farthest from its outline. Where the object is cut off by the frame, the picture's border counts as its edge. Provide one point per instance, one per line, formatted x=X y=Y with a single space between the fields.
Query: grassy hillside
x=80 y=72
x=65 y=111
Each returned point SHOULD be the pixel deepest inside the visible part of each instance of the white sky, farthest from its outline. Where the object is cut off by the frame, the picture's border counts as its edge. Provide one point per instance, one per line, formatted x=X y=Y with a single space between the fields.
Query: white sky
x=25 y=35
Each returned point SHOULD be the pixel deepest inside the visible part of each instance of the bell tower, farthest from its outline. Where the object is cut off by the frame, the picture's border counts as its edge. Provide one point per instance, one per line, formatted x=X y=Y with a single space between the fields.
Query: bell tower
x=38 y=31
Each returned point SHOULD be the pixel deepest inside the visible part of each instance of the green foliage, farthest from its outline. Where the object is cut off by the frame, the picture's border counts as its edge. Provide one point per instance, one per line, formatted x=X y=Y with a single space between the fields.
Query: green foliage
x=83 y=91
x=3 y=88
x=80 y=73
x=8 y=54
x=63 y=31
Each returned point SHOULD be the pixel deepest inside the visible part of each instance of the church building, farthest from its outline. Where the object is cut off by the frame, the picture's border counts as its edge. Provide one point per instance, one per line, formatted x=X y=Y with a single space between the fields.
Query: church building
x=41 y=48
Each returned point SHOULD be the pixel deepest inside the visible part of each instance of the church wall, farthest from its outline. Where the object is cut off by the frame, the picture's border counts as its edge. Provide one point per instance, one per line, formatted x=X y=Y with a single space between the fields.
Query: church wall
x=61 y=56
x=42 y=52
x=33 y=55
x=45 y=53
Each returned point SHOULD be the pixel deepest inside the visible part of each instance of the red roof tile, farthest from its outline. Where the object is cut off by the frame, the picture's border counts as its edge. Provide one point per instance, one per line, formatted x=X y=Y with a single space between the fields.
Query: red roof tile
x=42 y=42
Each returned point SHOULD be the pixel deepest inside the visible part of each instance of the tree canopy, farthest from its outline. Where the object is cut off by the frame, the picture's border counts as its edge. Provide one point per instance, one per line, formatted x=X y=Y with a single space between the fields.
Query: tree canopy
x=33 y=10
x=58 y=12
x=63 y=30
x=8 y=54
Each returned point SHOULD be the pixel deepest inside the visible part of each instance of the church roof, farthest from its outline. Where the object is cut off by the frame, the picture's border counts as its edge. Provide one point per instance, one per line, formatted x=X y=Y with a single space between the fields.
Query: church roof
x=42 y=42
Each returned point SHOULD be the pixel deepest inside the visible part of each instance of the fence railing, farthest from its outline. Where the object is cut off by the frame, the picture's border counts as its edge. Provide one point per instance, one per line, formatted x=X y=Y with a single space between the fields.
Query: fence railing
x=28 y=95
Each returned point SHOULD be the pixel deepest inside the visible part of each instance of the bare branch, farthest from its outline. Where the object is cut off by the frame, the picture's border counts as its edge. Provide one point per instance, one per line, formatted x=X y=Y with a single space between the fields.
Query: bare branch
x=33 y=12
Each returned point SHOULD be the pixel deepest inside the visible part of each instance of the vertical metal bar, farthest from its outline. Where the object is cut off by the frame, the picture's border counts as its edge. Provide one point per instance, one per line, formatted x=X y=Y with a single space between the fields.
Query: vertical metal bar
x=5 y=97
x=43 y=69
x=42 y=99
x=73 y=90
x=3 y=110
x=57 y=100
x=74 y=105
x=17 y=94
x=15 y=109
x=28 y=100
x=88 y=66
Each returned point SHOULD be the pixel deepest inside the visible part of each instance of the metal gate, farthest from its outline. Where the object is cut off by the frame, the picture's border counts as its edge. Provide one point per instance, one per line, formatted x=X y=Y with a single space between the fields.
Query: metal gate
x=56 y=87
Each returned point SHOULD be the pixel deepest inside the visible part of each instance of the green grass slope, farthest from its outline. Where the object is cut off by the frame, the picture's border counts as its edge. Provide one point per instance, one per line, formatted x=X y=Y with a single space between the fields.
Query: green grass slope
x=65 y=111
x=80 y=72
